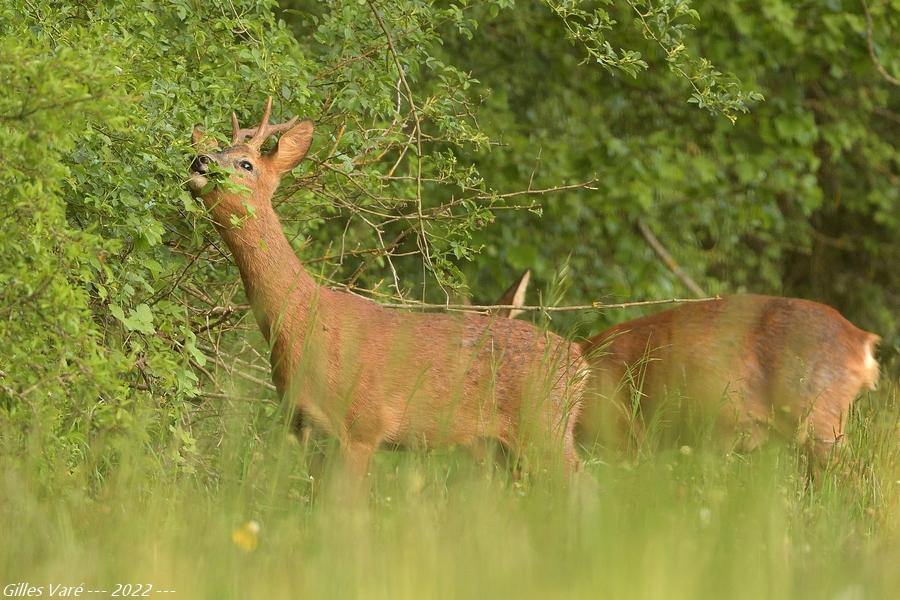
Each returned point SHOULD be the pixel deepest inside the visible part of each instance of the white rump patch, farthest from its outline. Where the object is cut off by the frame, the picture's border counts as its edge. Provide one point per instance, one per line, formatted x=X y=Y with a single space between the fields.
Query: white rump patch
x=870 y=365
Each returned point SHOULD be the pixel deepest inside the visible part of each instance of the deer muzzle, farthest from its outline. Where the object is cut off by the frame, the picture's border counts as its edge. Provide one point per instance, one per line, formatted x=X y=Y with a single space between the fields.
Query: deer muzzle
x=200 y=166
x=199 y=169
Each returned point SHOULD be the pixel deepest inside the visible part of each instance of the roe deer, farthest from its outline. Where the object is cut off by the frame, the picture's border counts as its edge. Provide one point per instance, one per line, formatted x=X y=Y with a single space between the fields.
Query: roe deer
x=755 y=363
x=367 y=374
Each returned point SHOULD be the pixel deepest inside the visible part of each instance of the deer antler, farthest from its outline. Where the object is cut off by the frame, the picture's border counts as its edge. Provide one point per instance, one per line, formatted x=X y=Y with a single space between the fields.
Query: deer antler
x=261 y=133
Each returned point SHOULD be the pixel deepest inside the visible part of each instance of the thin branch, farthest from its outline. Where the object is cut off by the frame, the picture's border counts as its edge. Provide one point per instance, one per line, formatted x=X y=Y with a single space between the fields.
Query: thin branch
x=667 y=259
x=587 y=185
x=871 y=44
x=483 y=308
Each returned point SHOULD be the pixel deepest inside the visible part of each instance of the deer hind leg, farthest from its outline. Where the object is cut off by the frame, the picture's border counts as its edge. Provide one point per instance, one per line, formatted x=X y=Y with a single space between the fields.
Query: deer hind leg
x=826 y=423
x=820 y=435
x=553 y=456
x=752 y=429
x=508 y=459
x=548 y=445
x=570 y=454
x=826 y=444
x=566 y=417
x=820 y=451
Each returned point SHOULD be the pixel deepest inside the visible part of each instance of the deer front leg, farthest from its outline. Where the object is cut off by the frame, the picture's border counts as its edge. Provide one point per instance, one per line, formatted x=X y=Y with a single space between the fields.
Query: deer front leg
x=347 y=484
x=356 y=456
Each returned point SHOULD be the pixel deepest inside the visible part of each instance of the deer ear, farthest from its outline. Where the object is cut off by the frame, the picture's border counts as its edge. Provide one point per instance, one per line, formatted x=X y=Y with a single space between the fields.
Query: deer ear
x=514 y=296
x=292 y=146
x=203 y=142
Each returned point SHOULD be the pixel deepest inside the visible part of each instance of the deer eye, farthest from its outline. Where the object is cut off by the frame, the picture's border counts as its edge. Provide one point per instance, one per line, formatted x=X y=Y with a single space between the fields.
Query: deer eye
x=246 y=165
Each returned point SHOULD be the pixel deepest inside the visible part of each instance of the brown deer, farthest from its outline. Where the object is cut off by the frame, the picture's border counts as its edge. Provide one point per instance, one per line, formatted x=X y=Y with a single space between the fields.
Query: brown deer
x=369 y=375
x=753 y=363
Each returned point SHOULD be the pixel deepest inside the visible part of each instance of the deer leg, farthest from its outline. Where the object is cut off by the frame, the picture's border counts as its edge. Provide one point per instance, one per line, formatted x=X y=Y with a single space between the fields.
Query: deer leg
x=551 y=449
x=751 y=433
x=356 y=456
x=572 y=461
x=299 y=427
x=347 y=483
x=825 y=451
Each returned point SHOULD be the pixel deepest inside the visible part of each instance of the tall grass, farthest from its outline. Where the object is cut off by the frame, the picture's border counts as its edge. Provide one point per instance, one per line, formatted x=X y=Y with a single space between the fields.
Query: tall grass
x=677 y=523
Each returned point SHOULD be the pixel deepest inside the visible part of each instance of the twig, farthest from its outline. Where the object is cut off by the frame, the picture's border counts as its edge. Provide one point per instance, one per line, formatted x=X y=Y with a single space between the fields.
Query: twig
x=587 y=185
x=577 y=307
x=226 y=313
x=871 y=44
x=667 y=259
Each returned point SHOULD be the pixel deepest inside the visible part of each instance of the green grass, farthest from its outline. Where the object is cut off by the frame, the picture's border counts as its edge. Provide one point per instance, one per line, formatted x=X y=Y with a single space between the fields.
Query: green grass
x=676 y=523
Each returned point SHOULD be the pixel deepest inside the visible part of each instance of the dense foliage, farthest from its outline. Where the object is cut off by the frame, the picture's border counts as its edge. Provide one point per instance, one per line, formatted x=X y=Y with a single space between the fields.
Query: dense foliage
x=799 y=197
x=439 y=128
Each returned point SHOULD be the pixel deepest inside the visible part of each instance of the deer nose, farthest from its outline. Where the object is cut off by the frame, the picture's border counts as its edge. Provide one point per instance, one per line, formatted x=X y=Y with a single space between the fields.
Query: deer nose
x=201 y=164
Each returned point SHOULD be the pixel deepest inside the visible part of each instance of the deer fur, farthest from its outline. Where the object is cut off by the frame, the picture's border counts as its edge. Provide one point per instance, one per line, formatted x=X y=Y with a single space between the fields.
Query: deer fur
x=758 y=363
x=754 y=363
x=369 y=375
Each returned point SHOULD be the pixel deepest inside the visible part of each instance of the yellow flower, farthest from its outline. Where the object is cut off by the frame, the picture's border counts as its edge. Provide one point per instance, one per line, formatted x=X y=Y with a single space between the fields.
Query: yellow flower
x=246 y=537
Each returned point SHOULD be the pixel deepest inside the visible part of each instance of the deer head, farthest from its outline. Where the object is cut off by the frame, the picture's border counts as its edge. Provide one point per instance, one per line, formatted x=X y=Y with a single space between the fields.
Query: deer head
x=255 y=175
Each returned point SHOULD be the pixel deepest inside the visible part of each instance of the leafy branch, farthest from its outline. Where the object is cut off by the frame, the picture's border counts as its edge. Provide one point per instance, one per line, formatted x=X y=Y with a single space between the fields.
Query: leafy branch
x=665 y=23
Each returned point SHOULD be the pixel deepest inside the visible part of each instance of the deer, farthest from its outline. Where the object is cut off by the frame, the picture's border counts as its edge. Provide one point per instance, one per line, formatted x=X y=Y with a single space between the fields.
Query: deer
x=756 y=364
x=366 y=374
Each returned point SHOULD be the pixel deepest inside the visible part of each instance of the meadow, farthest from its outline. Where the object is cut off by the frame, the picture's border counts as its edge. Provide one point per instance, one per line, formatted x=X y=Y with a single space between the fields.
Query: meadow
x=657 y=522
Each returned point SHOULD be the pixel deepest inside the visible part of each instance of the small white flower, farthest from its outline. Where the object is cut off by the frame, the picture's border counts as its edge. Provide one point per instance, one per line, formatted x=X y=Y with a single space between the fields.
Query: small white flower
x=705 y=516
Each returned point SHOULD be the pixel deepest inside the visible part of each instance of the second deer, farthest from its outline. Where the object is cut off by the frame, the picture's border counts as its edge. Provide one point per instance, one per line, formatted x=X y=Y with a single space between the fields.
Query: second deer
x=367 y=374
x=756 y=364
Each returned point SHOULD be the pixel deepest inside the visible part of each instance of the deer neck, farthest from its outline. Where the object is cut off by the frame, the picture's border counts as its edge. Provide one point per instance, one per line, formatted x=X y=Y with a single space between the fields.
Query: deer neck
x=279 y=289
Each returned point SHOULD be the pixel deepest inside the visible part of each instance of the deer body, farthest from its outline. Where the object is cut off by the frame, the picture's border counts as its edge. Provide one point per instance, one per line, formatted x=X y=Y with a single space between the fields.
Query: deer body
x=755 y=363
x=368 y=374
